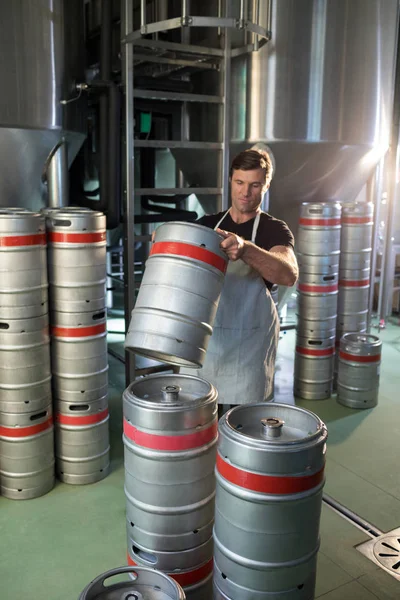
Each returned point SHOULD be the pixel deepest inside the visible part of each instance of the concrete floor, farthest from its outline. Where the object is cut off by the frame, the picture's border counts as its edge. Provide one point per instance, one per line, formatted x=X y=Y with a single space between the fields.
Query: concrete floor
x=51 y=547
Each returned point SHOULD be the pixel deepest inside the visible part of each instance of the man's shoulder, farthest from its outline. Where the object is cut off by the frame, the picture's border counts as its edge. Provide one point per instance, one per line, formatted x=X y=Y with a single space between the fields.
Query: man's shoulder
x=268 y=220
x=274 y=232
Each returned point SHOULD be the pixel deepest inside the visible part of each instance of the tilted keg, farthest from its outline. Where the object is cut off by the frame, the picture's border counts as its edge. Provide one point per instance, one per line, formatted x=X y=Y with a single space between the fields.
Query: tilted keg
x=170 y=436
x=23 y=266
x=142 y=584
x=359 y=370
x=178 y=298
x=27 y=454
x=82 y=446
x=319 y=229
x=313 y=368
x=25 y=372
x=77 y=247
x=191 y=568
x=270 y=476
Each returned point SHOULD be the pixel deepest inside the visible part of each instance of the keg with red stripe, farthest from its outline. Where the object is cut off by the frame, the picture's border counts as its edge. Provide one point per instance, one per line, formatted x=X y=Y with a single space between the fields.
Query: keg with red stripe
x=27 y=454
x=317 y=296
x=82 y=444
x=170 y=437
x=359 y=370
x=310 y=263
x=79 y=344
x=144 y=583
x=72 y=387
x=179 y=295
x=319 y=229
x=23 y=267
x=313 y=368
x=353 y=291
x=351 y=323
x=25 y=371
x=357 y=222
x=77 y=259
x=191 y=568
x=270 y=476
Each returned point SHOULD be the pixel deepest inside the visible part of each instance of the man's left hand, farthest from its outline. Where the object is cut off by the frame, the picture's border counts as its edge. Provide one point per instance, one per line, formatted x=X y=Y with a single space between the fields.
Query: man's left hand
x=232 y=244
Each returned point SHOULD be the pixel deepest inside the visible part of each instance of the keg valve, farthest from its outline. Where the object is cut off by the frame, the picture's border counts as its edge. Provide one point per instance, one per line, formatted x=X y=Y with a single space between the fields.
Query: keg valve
x=170 y=393
x=272 y=427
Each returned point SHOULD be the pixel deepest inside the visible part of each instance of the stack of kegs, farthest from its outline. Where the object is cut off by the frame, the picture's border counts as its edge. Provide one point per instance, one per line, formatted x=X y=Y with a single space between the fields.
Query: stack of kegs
x=77 y=275
x=318 y=249
x=170 y=438
x=26 y=422
x=354 y=273
x=270 y=477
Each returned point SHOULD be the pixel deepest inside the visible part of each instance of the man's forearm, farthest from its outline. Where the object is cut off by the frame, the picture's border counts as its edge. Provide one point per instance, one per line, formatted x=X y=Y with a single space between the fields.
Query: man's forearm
x=272 y=266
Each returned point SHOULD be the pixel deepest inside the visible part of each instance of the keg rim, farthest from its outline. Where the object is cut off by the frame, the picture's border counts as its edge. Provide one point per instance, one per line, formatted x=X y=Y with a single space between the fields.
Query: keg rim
x=361 y=337
x=238 y=436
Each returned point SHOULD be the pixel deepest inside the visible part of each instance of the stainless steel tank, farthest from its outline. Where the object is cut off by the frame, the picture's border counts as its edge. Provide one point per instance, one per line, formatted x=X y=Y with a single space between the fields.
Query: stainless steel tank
x=23 y=266
x=27 y=454
x=359 y=370
x=313 y=367
x=270 y=476
x=82 y=446
x=77 y=245
x=142 y=583
x=42 y=50
x=179 y=295
x=170 y=437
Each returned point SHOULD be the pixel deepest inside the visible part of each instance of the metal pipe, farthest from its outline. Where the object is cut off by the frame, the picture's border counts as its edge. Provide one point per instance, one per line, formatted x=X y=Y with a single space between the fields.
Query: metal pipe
x=142 y=14
x=185 y=9
x=241 y=14
x=129 y=208
x=377 y=194
x=351 y=516
x=57 y=178
x=269 y=18
x=226 y=114
x=256 y=18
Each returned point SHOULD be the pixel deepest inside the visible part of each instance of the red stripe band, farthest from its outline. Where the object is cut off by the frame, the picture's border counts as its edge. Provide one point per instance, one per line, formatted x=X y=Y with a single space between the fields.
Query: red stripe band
x=187 y=578
x=361 y=359
x=34 y=239
x=303 y=287
x=78 y=332
x=315 y=352
x=357 y=220
x=81 y=419
x=319 y=222
x=354 y=283
x=268 y=484
x=171 y=442
x=20 y=432
x=190 y=251
x=77 y=238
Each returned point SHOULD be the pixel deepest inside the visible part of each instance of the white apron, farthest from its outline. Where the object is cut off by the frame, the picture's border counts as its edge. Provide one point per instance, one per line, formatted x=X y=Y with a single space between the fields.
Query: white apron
x=240 y=358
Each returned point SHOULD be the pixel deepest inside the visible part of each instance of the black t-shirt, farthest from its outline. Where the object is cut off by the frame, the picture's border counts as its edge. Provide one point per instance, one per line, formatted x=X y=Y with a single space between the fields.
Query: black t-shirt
x=271 y=232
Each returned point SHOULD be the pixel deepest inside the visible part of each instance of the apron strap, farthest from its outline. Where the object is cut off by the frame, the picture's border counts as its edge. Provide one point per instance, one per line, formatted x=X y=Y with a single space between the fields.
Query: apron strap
x=255 y=224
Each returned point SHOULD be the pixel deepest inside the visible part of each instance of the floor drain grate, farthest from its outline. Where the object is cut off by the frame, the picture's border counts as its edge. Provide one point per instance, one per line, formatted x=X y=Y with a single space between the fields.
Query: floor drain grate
x=384 y=551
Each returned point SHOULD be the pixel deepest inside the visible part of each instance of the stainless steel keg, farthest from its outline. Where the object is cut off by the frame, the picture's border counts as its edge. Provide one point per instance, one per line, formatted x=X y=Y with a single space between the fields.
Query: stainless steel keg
x=359 y=370
x=352 y=322
x=270 y=475
x=170 y=436
x=319 y=229
x=142 y=584
x=27 y=454
x=24 y=364
x=313 y=368
x=353 y=291
x=192 y=568
x=317 y=296
x=23 y=267
x=316 y=329
x=79 y=343
x=82 y=446
x=77 y=259
x=72 y=387
x=357 y=222
x=310 y=263
x=179 y=295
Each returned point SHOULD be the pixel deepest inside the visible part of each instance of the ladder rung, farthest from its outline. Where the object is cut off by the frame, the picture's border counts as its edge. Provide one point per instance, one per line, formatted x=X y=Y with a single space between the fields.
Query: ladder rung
x=176 y=96
x=177 y=191
x=178 y=144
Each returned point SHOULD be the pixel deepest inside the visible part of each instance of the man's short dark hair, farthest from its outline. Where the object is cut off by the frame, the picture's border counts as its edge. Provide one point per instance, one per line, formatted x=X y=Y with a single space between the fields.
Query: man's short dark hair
x=248 y=160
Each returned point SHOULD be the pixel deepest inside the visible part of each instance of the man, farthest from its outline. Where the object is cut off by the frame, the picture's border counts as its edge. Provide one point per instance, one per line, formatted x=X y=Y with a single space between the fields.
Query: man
x=240 y=359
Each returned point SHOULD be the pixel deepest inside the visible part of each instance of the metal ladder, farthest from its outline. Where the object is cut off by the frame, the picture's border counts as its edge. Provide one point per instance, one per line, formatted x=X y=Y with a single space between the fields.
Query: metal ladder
x=137 y=48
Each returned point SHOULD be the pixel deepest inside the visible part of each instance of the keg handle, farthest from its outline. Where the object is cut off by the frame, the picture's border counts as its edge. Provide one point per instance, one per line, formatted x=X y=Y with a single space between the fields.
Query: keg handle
x=97 y=586
x=272 y=427
x=170 y=393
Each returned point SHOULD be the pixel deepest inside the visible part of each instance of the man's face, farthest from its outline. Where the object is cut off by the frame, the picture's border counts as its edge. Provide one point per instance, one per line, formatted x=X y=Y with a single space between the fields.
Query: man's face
x=247 y=188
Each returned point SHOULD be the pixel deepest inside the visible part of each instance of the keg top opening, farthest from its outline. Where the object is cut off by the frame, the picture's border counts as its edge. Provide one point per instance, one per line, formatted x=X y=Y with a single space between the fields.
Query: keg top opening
x=363 y=339
x=167 y=391
x=273 y=423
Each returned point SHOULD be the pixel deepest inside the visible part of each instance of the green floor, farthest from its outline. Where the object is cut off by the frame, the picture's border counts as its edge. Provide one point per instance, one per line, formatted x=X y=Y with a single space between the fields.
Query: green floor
x=51 y=547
